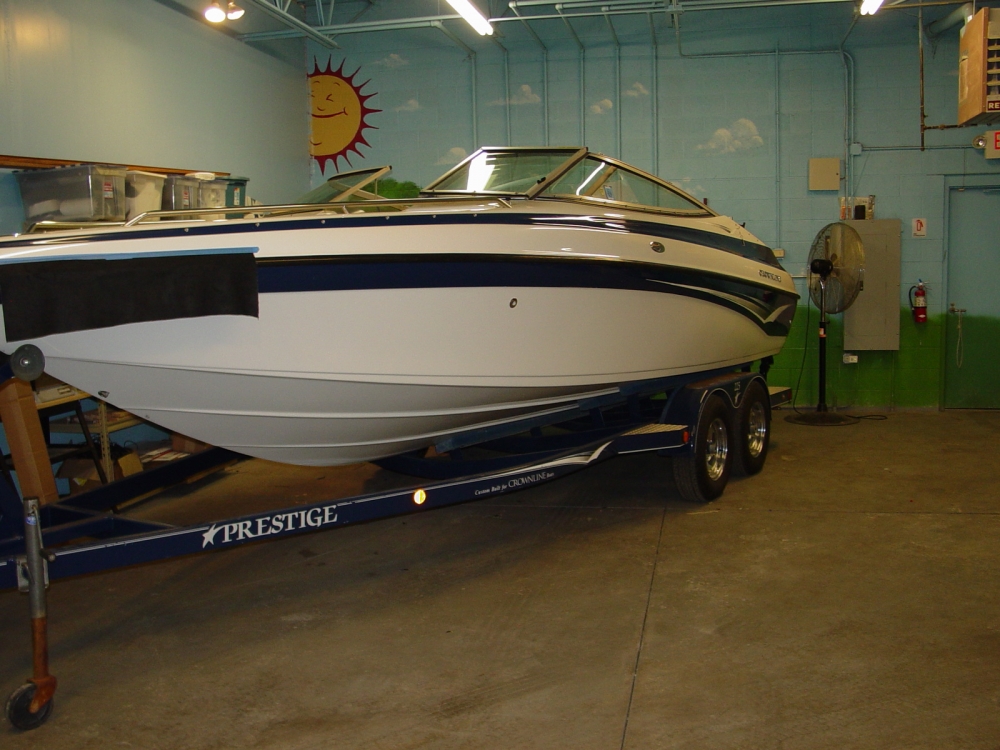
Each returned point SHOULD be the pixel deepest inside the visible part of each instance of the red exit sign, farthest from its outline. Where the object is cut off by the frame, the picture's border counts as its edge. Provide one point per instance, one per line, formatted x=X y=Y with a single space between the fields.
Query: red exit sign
x=992 y=150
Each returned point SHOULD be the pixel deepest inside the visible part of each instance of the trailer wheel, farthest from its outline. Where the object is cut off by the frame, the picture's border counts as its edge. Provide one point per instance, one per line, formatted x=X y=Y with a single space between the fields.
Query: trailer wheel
x=19 y=708
x=702 y=474
x=753 y=430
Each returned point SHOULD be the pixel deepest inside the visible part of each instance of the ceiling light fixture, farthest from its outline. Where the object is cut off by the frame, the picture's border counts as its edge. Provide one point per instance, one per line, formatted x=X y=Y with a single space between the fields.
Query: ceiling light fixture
x=214 y=13
x=471 y=14
x=869 y=7
x=234 y=12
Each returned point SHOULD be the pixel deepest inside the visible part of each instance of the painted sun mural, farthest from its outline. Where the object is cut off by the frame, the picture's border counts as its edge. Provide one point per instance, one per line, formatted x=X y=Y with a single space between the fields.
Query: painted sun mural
x=339 y=115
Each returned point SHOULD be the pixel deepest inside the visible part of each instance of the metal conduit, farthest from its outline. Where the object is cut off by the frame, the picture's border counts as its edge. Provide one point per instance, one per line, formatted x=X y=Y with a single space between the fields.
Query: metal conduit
x=506 y=96
x=583 y=73
x=545 y=75
x=301 y=28
x=475 y=106
x=618 y=86
x=318 y=33
x=545 y=94
x=656 y=97
x=777 y=148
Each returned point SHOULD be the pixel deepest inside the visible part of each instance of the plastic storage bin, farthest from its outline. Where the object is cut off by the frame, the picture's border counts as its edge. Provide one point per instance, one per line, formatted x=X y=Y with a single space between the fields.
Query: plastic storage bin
x=180 y=193
x=212 y=194
x=92 y=192
x=236 y=190
x=143 y=192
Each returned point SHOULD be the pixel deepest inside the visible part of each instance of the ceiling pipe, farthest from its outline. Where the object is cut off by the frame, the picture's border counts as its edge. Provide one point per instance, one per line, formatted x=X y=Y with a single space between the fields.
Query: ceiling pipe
x=961 y=15
x=291 y=21
x=453 y=36
x=364 y=27
x=298 y=28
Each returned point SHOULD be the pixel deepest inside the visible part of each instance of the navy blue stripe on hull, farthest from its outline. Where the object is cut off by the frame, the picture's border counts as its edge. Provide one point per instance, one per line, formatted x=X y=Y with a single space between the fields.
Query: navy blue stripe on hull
x=693 y=235
x=756 y=302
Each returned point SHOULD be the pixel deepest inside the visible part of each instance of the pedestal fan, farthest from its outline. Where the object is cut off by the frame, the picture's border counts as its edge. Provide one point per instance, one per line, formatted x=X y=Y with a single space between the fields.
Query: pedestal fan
x=836 y=276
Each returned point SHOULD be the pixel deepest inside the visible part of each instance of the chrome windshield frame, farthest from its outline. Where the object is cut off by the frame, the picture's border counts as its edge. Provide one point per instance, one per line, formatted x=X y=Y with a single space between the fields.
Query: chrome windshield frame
x=376 y=173
x=702 y=210
x=573 y=156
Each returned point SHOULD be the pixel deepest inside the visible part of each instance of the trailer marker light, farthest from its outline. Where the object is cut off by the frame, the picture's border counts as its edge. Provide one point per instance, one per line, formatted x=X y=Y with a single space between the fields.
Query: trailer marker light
x=419 y=497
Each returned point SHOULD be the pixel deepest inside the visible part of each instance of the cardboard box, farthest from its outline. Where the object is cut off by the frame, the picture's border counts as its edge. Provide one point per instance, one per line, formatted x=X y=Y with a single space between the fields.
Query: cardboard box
x=82 y=473
x=184 y=444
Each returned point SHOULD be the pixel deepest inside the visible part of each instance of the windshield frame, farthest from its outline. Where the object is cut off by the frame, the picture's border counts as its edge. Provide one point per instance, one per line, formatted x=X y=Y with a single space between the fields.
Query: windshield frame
x=701 y=210
x=574 y=156
x=374 y=174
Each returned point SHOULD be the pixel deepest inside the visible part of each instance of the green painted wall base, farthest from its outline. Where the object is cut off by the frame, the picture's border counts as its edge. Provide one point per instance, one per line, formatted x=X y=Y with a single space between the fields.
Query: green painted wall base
x=908 y=378
x=973 y=384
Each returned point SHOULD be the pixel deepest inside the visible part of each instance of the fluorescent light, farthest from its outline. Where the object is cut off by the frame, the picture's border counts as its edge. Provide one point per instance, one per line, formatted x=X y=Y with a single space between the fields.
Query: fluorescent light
x=471 y=14
x=234 y=12
x=214 y=13
x=868 y=7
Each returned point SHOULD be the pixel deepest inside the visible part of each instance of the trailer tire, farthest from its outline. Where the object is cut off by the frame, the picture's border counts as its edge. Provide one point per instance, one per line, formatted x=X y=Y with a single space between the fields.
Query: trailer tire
x=753 y=430
x=19 y=708
x=701 y=475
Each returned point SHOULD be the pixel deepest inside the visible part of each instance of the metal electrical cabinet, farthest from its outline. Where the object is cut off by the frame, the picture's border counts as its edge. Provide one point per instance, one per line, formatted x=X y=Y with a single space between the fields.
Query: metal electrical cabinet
x=872 y=322
x=979 y=69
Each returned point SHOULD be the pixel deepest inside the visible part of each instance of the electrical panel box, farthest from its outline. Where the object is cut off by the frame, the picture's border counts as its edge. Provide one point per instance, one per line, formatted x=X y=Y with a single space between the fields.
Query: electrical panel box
x=872 y=322
x=824 y=174
x=979 y=69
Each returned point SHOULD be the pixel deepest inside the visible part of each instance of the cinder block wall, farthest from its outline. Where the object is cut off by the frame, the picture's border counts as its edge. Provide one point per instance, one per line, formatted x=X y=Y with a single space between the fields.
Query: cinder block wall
x=134 y=81
x=727 y=118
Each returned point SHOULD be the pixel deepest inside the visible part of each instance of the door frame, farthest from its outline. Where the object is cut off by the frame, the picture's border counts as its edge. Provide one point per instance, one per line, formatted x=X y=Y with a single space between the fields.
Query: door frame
x=955 y=182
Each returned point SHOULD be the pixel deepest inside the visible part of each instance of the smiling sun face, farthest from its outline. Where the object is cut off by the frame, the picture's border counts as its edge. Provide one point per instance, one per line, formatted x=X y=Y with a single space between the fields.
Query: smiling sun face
x=339 y=113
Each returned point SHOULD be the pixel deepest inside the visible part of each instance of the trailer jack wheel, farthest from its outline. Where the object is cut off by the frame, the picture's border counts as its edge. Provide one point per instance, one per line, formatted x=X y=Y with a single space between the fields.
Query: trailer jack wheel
x=30 y=705
x=19 y=712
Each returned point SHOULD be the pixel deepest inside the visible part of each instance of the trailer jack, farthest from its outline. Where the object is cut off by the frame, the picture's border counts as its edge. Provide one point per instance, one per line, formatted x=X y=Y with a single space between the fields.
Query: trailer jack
x=31 y=704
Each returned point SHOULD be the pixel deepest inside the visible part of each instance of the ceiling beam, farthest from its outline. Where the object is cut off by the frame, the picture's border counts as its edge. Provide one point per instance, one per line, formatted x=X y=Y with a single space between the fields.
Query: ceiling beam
x=301 y=27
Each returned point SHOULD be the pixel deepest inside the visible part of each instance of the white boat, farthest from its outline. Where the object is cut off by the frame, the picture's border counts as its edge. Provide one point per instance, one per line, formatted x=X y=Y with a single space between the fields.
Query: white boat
x=518 y=284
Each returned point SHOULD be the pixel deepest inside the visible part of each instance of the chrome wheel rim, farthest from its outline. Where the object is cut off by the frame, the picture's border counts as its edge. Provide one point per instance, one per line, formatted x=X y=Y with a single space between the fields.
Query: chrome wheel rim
x=756 y=429
x=716 y=449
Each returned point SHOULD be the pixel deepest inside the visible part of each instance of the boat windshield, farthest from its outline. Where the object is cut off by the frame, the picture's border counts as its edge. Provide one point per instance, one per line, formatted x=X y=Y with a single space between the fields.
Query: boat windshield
x=512 y=172
x=597 y=179
x=346 y=186
x=566 y=174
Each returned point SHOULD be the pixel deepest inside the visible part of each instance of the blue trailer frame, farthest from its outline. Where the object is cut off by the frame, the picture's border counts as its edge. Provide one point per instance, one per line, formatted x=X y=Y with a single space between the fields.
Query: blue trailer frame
x=84 y=534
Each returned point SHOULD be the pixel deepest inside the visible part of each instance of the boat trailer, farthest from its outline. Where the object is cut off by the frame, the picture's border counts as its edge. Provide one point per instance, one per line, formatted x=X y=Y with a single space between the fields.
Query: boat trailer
x=710 y=424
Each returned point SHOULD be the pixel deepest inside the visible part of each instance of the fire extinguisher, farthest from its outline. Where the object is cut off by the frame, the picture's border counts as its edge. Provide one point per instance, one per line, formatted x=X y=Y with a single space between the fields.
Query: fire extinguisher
x=918 y=302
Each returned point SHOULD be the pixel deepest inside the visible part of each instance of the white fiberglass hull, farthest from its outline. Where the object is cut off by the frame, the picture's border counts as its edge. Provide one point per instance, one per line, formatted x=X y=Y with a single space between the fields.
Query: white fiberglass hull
x=325 y=376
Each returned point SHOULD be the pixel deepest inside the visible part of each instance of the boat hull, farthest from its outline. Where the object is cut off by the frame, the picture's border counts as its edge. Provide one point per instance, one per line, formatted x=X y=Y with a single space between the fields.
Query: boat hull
x=345 y=352
x=336 y=377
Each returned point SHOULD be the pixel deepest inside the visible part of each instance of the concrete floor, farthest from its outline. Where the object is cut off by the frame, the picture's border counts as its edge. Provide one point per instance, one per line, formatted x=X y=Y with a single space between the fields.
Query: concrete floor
x=845 y=598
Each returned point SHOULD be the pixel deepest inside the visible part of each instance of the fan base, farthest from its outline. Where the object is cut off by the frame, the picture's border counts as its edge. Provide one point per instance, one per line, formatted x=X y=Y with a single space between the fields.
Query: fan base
x=822 y=419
